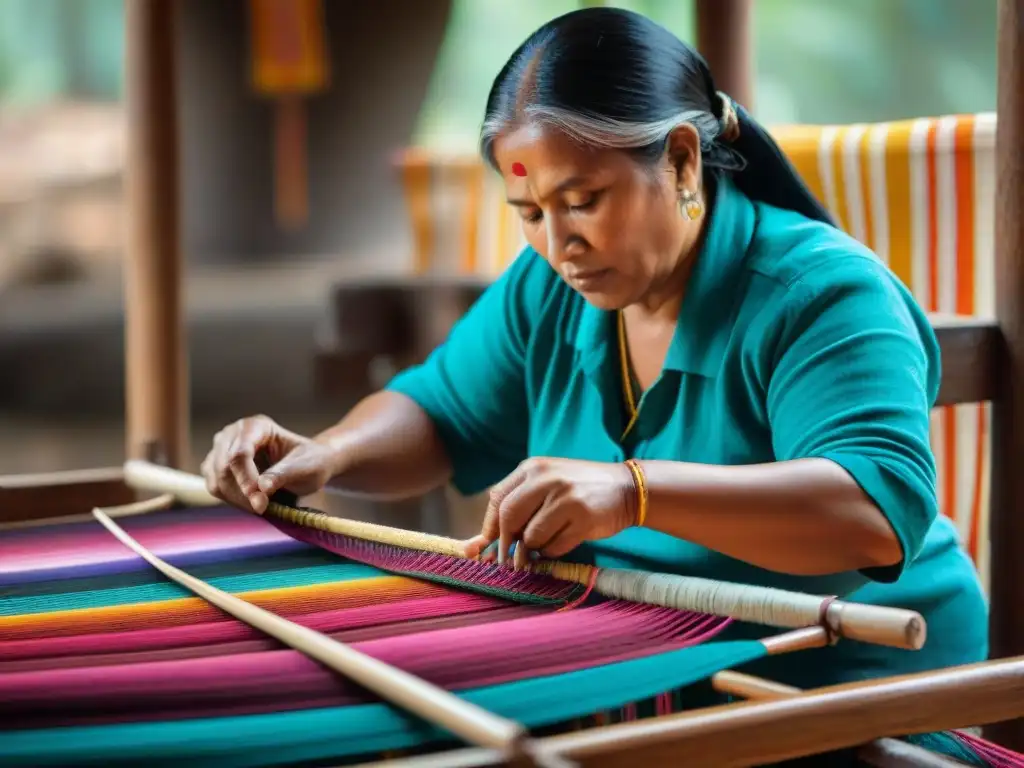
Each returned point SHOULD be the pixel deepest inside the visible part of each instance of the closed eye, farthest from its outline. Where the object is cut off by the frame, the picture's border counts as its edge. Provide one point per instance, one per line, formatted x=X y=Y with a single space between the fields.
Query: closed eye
x=532 y=215
x=588 y=204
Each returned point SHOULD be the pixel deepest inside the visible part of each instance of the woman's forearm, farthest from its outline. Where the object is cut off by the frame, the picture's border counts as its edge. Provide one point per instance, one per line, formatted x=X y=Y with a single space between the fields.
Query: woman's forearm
x=388 y=448
x=804 y=517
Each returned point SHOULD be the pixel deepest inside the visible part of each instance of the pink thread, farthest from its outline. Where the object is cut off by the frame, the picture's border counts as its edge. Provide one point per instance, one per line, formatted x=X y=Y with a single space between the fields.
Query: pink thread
x=995 y=755
x=586 y=593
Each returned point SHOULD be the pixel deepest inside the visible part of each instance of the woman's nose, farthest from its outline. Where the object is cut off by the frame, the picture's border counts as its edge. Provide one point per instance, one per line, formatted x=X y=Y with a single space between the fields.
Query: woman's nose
x=562 y=243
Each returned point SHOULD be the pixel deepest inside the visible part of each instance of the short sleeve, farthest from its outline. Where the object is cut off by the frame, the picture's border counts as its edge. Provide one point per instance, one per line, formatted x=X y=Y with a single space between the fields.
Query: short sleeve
x=473 y=386
x=855 y=378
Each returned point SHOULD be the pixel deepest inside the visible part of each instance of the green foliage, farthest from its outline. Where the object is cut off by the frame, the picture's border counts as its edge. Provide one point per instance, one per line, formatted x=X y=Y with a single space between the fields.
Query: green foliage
x=817 y=60
x=55 y=48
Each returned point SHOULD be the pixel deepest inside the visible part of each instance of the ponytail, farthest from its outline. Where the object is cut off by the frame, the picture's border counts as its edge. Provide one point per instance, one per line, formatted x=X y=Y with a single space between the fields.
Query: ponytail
x=767 y=175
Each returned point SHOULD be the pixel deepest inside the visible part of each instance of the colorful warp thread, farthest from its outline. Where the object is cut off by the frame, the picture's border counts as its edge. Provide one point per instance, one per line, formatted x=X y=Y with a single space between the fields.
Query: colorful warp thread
x=99 y=651
x=104 y=662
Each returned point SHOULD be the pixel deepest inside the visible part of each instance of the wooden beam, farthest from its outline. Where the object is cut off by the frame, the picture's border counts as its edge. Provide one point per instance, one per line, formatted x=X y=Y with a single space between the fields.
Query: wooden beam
x=156 y=386
x=822 y=720
x=405 y=320
x=760 y=733
x=1006 y=520
x=725 y=38
x=61 y=494
x=971 y=358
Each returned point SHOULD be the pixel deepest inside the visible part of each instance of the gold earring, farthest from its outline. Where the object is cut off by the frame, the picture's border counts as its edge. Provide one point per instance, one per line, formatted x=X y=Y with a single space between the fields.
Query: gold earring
x=690 y=205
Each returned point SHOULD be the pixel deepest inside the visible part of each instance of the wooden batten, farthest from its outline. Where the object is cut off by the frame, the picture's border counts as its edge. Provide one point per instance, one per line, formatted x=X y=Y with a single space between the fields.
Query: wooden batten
x=971 y=358
x=156 y=384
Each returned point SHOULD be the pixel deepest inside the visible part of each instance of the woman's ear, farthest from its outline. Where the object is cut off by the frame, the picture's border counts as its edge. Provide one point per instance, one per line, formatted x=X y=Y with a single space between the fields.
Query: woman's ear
x=683 y=155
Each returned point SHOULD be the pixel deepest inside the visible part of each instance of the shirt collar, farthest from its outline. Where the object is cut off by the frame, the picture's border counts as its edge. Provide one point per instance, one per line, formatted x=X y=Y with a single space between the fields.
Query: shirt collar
x=708 y=310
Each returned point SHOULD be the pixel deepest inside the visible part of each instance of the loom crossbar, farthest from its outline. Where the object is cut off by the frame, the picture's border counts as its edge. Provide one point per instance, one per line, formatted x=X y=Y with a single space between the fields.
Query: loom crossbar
x=879 y=625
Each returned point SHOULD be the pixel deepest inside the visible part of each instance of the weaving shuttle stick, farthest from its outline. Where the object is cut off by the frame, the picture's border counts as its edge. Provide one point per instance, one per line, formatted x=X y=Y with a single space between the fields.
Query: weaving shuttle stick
x=877 y=625
x=434 y=704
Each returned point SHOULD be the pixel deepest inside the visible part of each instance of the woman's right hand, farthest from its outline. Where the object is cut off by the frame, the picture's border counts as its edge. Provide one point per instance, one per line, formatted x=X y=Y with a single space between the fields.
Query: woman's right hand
x=255 y=457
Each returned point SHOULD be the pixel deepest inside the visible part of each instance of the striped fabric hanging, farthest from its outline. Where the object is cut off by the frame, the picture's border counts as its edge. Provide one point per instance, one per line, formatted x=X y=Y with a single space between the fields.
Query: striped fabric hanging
x=921 y=193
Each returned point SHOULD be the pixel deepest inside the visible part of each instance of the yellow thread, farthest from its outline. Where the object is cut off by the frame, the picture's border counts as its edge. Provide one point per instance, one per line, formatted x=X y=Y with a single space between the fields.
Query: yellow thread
x=380 y=534
x=577 y=572
x=627 y=383
x=641 y=491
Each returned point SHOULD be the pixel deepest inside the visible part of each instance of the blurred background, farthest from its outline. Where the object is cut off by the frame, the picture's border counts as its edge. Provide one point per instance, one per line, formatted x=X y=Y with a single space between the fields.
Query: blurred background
x=395 y=79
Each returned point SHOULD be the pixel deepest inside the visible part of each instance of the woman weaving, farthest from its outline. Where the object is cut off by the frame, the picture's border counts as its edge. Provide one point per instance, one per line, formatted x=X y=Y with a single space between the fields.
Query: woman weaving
x=690 y=369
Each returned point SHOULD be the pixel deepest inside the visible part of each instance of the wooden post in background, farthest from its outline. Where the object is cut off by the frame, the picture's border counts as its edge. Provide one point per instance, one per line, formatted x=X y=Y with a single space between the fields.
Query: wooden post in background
x=1007 y=498
x=156 y=391
x=725 y=38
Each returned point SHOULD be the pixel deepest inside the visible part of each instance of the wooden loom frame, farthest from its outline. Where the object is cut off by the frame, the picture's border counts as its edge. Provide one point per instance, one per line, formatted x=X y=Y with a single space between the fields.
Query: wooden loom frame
x=982 y=361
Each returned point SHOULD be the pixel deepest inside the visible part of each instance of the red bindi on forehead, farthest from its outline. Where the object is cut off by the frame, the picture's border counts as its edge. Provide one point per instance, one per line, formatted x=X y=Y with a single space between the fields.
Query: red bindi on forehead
x=518 y=169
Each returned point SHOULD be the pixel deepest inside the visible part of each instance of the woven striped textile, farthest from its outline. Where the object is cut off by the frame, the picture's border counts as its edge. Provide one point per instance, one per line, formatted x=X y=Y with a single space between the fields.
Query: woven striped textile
x=920 y=193
x=103 y=661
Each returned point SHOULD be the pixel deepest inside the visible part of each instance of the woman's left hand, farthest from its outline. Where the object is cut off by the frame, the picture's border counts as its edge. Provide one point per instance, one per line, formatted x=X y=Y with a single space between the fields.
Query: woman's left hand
x=551 y=506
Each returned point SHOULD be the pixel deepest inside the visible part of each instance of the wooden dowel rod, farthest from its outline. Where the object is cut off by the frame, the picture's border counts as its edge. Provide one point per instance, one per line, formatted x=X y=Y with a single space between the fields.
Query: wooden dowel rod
x=187 y=488
x=821 y=720
x=750 y=687
x=191 y=489
x=879 y=625
x=435 y=705
x=883 y=753
x=796 y=640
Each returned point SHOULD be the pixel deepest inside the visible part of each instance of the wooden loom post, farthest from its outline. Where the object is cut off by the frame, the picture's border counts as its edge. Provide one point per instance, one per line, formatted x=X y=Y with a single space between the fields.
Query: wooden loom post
x=725 y=40
x=1007 y=497
x=156 y=387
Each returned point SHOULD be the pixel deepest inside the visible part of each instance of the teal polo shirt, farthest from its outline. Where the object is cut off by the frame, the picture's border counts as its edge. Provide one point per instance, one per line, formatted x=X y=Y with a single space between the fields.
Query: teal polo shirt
x=793 y=341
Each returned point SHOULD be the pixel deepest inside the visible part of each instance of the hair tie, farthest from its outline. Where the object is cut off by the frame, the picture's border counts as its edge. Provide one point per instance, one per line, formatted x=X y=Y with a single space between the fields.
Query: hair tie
x=729 y=121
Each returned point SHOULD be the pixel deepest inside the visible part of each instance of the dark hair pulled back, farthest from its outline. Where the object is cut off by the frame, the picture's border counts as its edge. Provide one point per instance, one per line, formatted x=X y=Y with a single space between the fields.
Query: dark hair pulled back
x=613 y=78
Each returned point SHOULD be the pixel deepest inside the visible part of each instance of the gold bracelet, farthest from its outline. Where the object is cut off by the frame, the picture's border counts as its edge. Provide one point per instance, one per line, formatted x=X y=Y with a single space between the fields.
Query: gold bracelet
x=640 y=481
